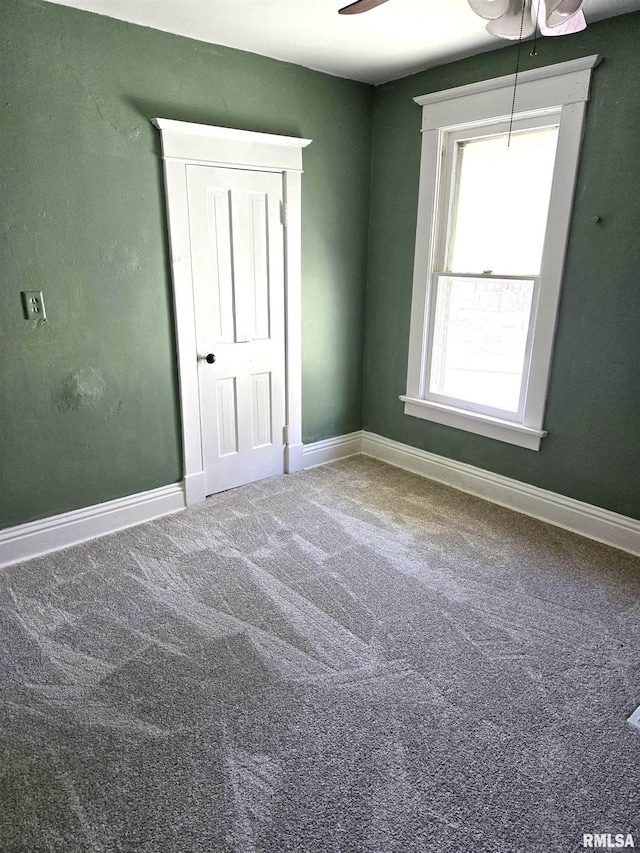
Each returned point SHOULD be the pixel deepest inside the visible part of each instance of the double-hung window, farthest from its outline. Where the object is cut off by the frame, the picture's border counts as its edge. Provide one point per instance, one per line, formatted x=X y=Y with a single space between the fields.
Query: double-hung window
x=496 y=189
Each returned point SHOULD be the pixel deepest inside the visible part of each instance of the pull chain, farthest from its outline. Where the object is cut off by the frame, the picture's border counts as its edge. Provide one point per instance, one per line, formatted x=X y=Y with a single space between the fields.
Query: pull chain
x=515 y=79
x=534 y=46
x=534 y=52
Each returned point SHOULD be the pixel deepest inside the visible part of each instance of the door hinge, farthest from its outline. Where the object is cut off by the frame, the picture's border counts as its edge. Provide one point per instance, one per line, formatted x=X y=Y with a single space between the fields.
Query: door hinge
x=285 y=434
x=283 y=213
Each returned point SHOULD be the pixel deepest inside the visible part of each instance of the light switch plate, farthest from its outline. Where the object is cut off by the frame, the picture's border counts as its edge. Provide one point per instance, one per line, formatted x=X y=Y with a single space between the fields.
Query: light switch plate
x=33 y=305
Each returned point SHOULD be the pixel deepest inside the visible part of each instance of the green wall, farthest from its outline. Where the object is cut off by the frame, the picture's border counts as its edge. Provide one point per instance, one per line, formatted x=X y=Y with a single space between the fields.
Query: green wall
x=592 y=452
x=88 y=400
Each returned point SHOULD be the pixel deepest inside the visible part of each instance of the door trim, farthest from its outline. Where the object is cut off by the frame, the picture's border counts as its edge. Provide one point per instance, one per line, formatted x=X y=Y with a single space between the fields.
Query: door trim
x=183 y=144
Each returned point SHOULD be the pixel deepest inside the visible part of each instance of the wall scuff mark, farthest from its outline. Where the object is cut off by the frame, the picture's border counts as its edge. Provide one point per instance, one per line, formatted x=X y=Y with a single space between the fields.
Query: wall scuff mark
x=121 y=261
x=133 y=134
x=81 y=389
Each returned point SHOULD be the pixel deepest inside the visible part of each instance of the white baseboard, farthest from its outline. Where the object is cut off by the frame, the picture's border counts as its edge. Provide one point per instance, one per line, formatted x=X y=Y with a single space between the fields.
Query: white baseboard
x=590 y=521
x=321 y=452
x=59 y=531
x=195 y=488
x=293 y=458
x=39 y=537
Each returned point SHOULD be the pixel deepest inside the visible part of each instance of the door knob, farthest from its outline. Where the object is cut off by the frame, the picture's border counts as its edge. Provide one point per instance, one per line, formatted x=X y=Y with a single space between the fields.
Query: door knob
x=210 y=358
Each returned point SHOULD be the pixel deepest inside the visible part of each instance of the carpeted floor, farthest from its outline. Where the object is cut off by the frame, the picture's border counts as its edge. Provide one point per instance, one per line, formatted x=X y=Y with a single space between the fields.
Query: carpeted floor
x=347 y=660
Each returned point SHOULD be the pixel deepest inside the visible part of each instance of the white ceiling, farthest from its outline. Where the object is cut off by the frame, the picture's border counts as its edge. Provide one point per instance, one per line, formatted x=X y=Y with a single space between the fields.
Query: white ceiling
x=391 y=41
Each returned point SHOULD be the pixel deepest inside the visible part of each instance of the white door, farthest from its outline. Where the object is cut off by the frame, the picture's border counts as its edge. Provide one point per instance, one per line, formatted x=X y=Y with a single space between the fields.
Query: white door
x=237 y=256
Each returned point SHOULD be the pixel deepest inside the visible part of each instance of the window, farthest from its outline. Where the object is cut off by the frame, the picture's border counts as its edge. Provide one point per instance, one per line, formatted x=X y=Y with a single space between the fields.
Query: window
x=493 y=218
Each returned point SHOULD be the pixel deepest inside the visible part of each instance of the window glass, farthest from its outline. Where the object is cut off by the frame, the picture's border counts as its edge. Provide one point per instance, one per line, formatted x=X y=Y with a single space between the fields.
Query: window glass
x=501 y=202
x=480 y=340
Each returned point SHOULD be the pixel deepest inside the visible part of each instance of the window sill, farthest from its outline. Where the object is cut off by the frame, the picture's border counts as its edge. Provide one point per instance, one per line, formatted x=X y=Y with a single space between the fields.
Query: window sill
x=507 y=431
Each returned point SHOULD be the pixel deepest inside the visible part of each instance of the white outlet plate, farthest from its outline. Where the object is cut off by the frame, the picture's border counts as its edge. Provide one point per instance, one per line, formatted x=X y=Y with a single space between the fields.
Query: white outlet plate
x=33 y=305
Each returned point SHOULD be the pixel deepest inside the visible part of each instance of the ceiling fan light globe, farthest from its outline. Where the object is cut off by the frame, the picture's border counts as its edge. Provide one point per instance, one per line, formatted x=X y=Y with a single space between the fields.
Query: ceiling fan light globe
x=557 y=18
x=512 y=25
x=573 y=25
x=562 y=8
x=489 y=9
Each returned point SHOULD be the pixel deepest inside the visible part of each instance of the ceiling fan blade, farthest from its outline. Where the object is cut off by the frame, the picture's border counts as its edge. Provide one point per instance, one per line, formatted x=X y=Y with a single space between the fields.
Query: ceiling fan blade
x=360 y=6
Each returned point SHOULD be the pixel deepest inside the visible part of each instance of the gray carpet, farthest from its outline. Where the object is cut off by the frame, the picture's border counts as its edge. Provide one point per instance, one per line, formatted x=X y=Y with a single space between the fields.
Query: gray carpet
x=347 y=660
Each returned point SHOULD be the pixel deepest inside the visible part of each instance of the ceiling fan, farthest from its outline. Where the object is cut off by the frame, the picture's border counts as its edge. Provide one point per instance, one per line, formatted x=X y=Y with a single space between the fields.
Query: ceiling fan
x=360 y=6
x=512 y=19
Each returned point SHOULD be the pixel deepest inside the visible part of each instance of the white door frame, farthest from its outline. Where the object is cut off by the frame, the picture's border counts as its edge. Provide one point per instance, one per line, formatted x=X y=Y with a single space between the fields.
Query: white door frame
x=183 y=144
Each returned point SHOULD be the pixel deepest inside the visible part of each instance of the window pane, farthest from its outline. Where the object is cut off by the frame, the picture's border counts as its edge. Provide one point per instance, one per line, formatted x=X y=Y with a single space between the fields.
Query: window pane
x=479 y=340
x=501 y=202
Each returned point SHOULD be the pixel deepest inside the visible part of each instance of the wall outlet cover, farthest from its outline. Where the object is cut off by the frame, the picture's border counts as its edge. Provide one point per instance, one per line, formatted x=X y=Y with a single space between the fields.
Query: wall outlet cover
x=33 y=305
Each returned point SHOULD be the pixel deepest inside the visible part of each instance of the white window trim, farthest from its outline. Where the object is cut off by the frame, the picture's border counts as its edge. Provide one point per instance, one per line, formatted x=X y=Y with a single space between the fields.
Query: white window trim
x=561 y=91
